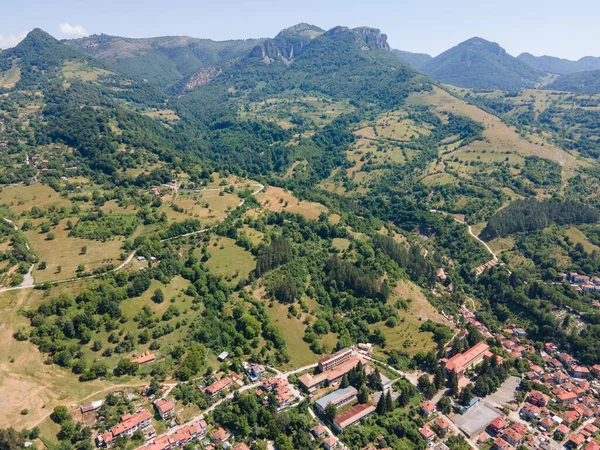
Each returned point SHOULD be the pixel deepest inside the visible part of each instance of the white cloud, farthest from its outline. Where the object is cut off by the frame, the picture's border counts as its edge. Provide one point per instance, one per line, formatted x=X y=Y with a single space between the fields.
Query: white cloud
x=72 y=30
x=10 y=40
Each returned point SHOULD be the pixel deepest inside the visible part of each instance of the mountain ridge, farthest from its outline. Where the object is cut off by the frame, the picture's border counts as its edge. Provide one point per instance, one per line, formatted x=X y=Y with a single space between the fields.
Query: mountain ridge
x=482 y=64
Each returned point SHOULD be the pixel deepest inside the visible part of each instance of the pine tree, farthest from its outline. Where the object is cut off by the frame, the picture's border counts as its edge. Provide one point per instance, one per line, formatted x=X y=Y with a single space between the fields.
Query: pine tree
x=363 y=394
x=453 y=383
x=344 y=383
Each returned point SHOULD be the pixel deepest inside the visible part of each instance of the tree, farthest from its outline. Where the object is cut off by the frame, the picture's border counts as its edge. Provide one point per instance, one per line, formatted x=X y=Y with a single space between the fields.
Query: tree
x=344 y=383
x=374 y=380
x=363 y=394
x=60 y=414
x=453 y=383
x=11 y=439
x=466 y=395
x=158 y=296
x=126 y=367
x=445 y=405
x=83 y=250
x=329 y=412
x=425 y=386
x=50 y=236
x=439 y=377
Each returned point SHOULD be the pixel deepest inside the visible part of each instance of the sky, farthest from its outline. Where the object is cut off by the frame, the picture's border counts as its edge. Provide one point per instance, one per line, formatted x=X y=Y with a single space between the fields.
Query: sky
x=567 y=29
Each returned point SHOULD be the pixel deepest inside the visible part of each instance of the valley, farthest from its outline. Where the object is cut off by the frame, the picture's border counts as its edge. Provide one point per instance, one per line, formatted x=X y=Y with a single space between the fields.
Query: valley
x=293 y=242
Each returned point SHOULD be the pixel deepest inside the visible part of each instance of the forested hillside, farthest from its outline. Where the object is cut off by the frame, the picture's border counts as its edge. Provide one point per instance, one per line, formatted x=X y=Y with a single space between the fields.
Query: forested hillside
x=269 y=201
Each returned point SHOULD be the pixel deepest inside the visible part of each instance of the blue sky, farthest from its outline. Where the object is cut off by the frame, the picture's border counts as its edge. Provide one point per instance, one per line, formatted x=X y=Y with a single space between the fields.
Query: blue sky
x=568 y=29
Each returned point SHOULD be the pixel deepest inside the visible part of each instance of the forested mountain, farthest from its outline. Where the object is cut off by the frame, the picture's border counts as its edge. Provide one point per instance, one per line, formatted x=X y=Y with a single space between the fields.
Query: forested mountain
x=416 y=60
x=477 y=63
x=162 y=60
x=587 y=82
x=560 y=66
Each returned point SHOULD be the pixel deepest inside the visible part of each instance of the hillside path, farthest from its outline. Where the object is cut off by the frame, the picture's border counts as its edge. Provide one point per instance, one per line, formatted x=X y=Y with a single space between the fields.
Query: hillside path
x=28 y=283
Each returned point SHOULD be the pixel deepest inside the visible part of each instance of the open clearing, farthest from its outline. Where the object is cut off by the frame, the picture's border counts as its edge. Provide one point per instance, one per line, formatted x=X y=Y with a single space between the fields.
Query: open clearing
x=406 y=336
x=228 y=260
x=9 y=78
x=25 y=381
x=22 y=198
x=498 y=135
x=277 y=199
x=65 y=252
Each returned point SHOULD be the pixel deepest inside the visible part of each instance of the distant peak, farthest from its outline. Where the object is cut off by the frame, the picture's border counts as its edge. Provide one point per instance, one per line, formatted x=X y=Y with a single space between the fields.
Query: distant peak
x=301 y=29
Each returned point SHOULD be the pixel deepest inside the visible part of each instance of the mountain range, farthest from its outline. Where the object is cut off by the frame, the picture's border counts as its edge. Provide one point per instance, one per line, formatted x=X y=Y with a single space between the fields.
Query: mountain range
x=176 y=63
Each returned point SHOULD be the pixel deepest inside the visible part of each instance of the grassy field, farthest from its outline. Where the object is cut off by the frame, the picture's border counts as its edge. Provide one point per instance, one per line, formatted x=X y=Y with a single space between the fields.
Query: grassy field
x=319 y=110
x=65 y=251
x=277 y=199
x=167 y=115
x=82 y=71
x=25 y=381
x=293 y=332
x=9 y=78
x=499 y=137
x=406 y=335
x=577 y=236
x=229 y=260
x=23 y=198
x=208 y=206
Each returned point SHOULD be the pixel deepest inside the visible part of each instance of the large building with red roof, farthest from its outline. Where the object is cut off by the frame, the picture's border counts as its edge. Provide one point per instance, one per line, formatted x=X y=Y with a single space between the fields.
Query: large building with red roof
x=462 y=362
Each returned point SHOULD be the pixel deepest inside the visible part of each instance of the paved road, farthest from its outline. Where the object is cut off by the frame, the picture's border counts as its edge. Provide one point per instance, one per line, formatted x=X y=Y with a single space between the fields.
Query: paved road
x=28 y=281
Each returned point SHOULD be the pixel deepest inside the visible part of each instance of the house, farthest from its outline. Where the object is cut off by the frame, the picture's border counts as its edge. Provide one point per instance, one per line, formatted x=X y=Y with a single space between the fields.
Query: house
x=546 y=423
x=537 y=398
x=440 y=446
x=338 y=398
x=580 y=372
x=353 y=415
x=330 y=442
x=145 y=359
x=575 y=441
x=219 y=386
x=129 y=424
x=256 y=372
x=512 y=436
x=94 y=406
x=220 y=435
x=462 y=362
x=165 y=408
x=530 y=411
x=501 y=444
x=592 y=445
x=562 y=429
x=319 y=431
x=222 y=356
x=427 y=433
x=567 y=398
x=241 y=446
x=442 y=424
x=178 y=438
x=335 y=359
x=428 y=408
x=497 y=425
x=570 y=417
x=566 y=359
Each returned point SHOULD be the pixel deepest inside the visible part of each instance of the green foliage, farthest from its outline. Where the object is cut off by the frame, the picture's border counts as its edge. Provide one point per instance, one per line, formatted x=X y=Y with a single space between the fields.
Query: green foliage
x=102 y=227
x=531 y=214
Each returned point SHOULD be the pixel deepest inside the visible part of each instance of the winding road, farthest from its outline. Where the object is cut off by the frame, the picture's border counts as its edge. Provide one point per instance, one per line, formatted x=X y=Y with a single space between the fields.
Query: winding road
x=492 y=262
x=28 y=282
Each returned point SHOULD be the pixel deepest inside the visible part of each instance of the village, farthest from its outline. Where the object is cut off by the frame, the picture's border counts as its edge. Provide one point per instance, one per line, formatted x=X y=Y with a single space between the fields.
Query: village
x=553 y=404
